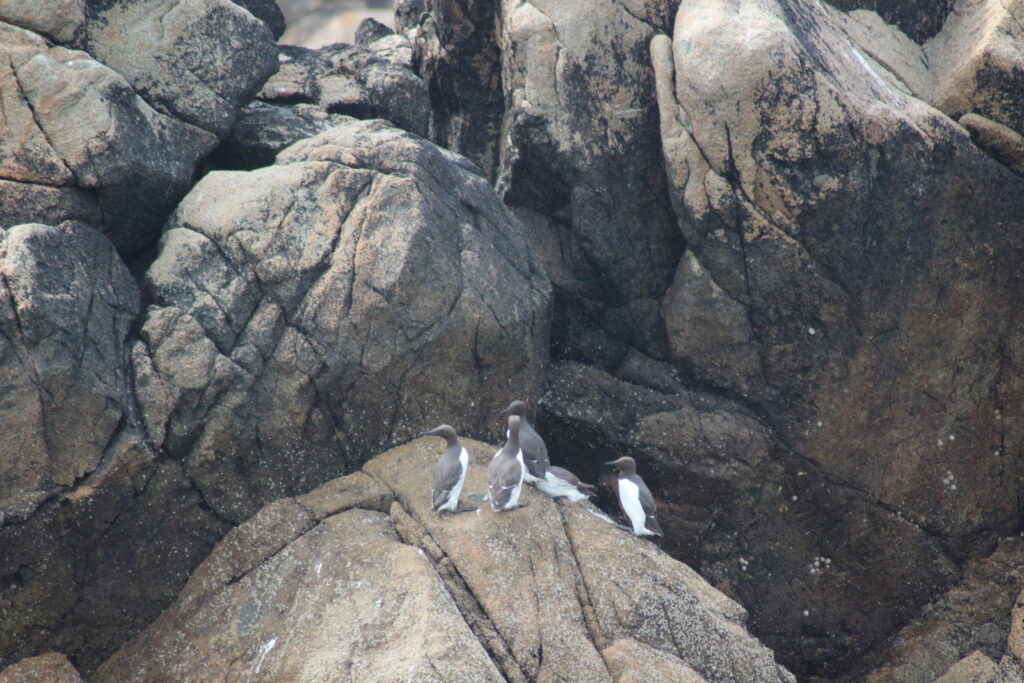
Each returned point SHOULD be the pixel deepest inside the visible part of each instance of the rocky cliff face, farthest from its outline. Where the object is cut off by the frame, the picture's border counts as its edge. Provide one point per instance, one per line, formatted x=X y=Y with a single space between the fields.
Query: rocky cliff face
x=772 y=250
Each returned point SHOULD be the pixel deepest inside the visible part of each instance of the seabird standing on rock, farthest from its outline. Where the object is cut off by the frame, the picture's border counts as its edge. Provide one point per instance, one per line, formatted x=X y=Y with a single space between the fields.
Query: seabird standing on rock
x=635 y=498
x=506 y=471
x=449 y=472
x=535 y=452
x=559 y=482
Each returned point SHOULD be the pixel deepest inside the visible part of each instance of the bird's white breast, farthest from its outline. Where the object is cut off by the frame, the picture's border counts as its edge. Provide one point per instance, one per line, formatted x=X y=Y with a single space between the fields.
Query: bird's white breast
x=629 y=496
x=452 y=503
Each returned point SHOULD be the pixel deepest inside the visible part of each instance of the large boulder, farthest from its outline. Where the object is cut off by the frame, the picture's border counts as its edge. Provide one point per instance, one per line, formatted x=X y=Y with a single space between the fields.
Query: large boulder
x=309 y=313
x=66 y=304
x=360 y=578
x=853 y=280
x=106 y=120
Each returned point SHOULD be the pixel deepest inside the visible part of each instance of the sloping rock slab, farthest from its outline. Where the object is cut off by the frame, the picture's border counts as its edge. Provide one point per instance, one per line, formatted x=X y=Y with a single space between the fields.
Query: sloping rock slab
x=327 y=586
x=294 y=595
x=557 y=584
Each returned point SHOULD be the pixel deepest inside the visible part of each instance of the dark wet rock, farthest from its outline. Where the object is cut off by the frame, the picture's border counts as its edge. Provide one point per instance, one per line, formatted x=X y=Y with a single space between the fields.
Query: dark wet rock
x=309 y=313
x=972 y=616
x=459 y=54
x=919 y=19
x=263 y=129
x=578 y=85
x=90 y=569
x=760 y=523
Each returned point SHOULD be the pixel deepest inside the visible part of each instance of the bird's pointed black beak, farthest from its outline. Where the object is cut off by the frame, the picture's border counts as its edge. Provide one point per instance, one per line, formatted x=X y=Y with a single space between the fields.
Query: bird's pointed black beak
x=506 y=411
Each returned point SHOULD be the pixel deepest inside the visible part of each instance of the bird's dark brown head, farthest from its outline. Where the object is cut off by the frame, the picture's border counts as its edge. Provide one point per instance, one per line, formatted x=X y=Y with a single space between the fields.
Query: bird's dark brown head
x=515 y=408
x=446 y=432
x=513 y=424
x=625 y=465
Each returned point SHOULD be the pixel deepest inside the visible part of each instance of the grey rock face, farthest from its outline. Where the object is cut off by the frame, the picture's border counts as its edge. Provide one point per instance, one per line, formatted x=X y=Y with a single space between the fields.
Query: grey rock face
x=66 y=303
x=114 y=132
x=365 y=285
x=203 y=59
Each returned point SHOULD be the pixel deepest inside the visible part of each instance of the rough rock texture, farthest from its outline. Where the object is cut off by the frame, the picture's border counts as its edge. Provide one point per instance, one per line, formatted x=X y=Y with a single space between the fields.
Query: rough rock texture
x=49 y=668
x=762 y=524
x=328 y=585
x=266 y=11
x=979 y=614
x=919 y=19
x=114 y=132
x=353 y=80
x=306 y=314
x=82 y=567
x=66 y=303
x=580 y=112
x=972 y=68
x=864 y=311
x=88 y=571
x=458 y=53
x=263 y=129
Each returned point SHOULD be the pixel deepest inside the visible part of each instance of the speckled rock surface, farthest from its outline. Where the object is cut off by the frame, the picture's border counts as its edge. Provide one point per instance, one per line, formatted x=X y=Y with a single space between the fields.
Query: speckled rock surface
x=327 y=585
x=52 y=667
x=307 y=314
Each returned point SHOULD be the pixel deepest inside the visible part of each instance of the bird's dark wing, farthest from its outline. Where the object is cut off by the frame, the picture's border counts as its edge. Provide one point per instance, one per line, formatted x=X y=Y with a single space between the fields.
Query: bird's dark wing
x=504 y=474
x=535 y=451
x=647 y=502
x=446 y=475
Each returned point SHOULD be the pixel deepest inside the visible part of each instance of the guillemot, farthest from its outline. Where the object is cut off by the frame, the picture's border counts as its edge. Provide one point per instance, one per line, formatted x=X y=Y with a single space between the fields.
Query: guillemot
x=506 y=470
x=559 y=482
x=635 y=498
x=535 y=451
x=449 y=472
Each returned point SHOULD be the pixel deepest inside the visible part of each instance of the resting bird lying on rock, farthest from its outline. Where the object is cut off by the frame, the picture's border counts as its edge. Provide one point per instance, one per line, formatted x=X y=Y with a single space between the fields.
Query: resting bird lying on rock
x=449 y=472
x=506 y=471
x=559 y=482
x=535 y=452
x=635 y=498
